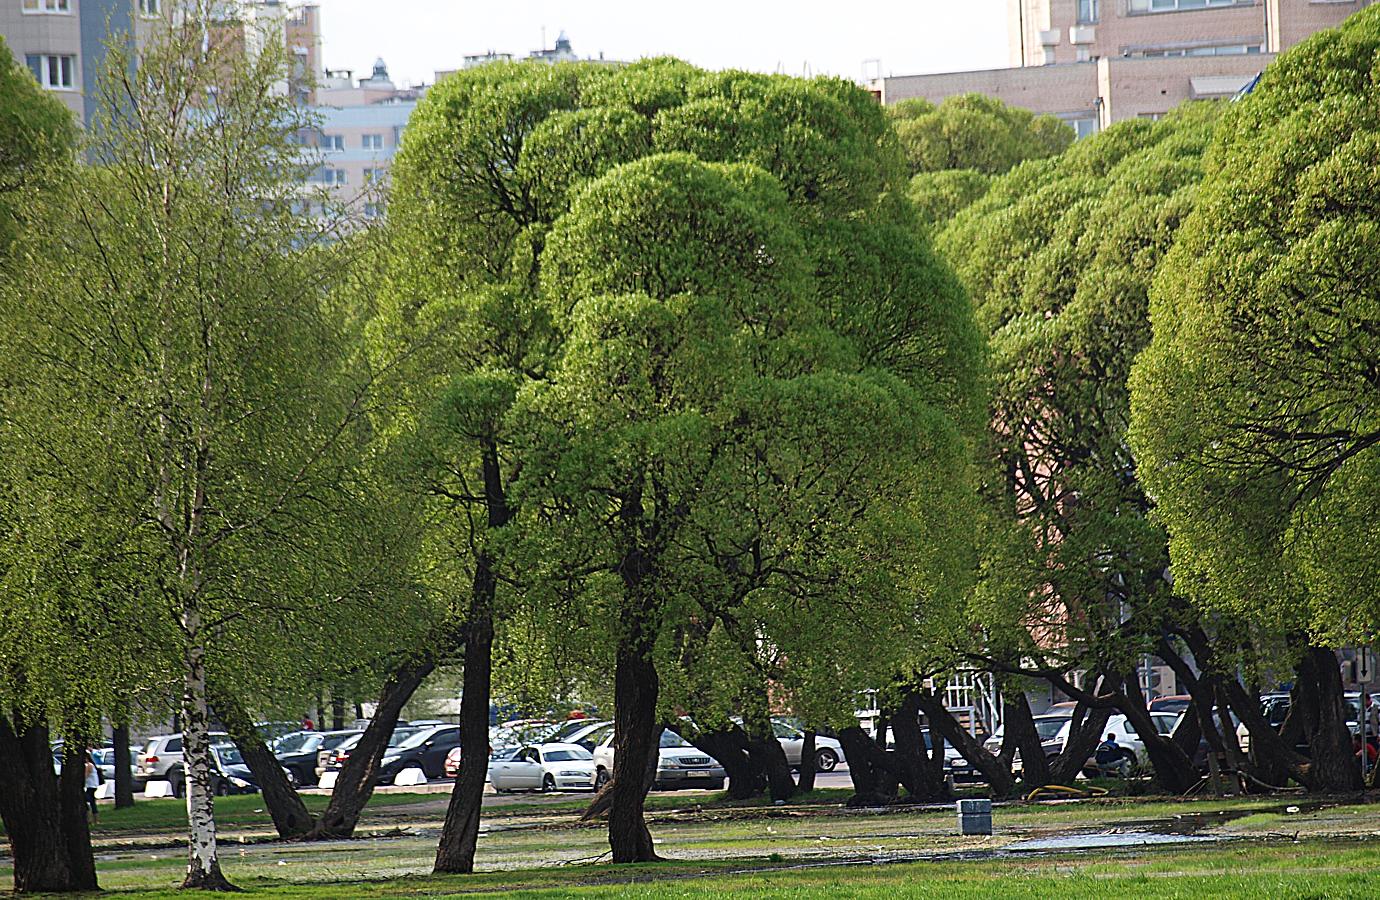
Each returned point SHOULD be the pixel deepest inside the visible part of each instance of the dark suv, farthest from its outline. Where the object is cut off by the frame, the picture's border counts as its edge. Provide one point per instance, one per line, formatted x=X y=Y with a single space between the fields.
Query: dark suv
x=425 y=750
x=298 y=752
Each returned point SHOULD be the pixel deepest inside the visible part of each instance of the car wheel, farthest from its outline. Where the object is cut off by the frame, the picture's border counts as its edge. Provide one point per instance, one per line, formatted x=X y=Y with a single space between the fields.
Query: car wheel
x=601 y=778
x=825 y=760
x=548 y=784
x=716 y=785
x=221 y=787
x=175 y=779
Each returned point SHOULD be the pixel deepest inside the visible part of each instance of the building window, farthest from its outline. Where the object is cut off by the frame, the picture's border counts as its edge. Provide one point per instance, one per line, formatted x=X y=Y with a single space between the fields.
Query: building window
x=150 y=8
x=373 y=175
x=373 y=142
x=52 y=71
x=47 y=6
x=1081 y=54
x=1154 y=6
x=1088 y=11
x=373 y=210
x=333 y=176
x=333 y=141
x=1151 y=116
x=1219 y=50
x=1086 y=127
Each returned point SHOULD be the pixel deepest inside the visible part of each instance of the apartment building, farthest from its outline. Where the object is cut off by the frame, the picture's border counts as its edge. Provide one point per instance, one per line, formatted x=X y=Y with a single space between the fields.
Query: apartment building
x=63 y=42
x=1095 y=62
x=360 y=131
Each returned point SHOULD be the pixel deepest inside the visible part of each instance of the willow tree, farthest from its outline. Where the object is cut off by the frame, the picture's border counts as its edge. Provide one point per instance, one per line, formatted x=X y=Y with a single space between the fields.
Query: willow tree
x=956 y=148
x=1059 y=257
x=188 y=373
x=1254 y=407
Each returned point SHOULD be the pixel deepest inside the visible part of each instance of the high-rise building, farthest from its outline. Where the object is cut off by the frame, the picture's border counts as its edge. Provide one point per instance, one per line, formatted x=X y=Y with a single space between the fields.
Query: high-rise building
x=63 y=42
x=1095 y=62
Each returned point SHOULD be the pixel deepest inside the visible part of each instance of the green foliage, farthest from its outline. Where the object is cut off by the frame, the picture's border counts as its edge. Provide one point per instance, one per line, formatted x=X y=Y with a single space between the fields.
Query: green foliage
x=184 y=412
x=35 y=128
x=1059 y=256
x=974 y=131
x=712 y=312
x=938 y=196
x=1254 y=406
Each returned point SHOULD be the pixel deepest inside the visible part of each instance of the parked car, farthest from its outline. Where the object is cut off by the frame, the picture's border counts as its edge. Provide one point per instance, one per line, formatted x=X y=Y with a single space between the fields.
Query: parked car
x=299 y=752
x=162 y=760
x=229 y=772
x=1132 y=747
x=1274 y=706
x=335 y=759
x=1048 y=726
x=679 y=765
x=828 y=752
x=578 y=731
x=546 y=767
x=104 y=757
x=424 y=749
x=1200 y=755
x=1175 y=704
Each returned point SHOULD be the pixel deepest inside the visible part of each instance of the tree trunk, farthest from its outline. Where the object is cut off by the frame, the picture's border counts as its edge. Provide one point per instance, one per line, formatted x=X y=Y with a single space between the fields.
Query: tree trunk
x=72 y=814
x=460 y=835
x=124 y=776
x=874 y=777
x=355 y=783
x=337 y=710
x=806 y=782
x=766 y=750
x=635 y=741
x=1173 y=768
x=285 y=806
x=730 y=747
x=31 y=810
x=1020 y=736
x=203 y=859
x=916 y=767
x=1334 y=765
x=1085 y=734
x=1274 y=757
x=996 y=772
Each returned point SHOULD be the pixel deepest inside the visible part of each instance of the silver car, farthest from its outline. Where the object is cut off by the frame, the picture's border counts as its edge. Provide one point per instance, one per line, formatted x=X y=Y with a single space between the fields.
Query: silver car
x=679 y=765
x=162 y=760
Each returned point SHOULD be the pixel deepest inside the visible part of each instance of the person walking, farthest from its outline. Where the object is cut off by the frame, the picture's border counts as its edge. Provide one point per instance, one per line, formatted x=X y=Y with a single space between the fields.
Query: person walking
x=93 y=781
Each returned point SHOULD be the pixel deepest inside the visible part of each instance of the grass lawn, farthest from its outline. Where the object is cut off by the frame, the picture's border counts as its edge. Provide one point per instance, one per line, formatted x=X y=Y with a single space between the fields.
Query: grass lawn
x=1304 y=870
x=806 y=849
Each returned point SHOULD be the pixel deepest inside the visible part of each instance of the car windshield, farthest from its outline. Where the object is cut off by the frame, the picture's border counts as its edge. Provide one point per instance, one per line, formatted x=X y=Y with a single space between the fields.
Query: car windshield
x=292 y=743
x=400 y=736
x=1048 y=728
x=1164 y=722
x=563 y=755
x=670 y=739
x=418 y=738
x=331 y=741
x=229 y=755
x=569 y=728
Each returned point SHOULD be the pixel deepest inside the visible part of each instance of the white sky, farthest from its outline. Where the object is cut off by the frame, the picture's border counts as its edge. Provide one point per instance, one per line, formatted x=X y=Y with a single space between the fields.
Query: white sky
x=417 y=37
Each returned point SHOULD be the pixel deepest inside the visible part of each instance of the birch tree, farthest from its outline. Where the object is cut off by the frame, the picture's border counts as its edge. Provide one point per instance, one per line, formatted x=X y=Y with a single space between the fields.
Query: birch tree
x=188 y=371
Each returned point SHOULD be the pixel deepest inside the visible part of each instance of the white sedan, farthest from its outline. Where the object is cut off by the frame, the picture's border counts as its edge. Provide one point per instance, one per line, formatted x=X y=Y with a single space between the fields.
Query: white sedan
x=544 y=767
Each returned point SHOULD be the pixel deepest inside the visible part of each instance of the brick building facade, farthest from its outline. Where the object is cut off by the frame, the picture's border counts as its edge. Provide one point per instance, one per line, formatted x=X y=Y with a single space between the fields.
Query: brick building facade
x=1095 y=62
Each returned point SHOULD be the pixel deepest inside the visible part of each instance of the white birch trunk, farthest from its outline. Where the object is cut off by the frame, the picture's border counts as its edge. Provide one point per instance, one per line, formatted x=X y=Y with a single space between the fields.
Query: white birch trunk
x=203 y=862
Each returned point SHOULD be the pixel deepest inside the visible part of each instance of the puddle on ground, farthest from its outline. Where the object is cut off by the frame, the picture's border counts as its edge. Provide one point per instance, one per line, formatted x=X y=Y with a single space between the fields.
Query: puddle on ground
x=1107 y=841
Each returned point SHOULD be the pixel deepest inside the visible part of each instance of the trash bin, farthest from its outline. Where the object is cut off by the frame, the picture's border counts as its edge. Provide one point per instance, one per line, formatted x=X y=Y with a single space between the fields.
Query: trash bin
x=975 y=816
